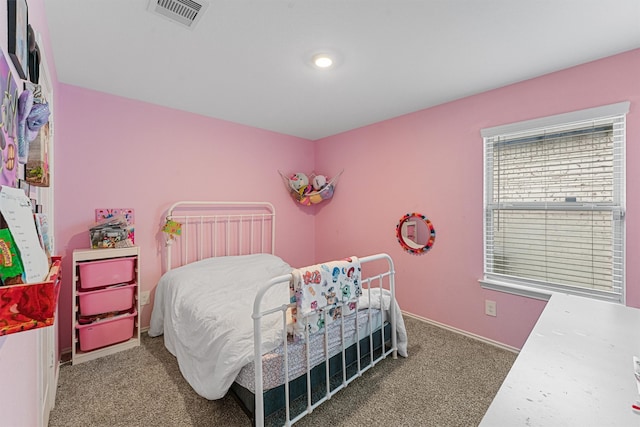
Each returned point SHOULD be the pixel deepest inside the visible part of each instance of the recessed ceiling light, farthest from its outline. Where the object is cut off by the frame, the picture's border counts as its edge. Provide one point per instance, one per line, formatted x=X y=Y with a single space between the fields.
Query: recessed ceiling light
x=322 y=60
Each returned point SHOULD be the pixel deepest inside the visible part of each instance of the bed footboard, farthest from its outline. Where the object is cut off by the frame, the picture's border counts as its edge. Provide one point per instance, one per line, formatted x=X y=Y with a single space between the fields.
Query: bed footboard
x=335 y=371
x=274 y=401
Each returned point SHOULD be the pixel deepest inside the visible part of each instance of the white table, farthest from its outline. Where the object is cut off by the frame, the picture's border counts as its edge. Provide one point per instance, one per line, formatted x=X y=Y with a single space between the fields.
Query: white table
x=575 y=369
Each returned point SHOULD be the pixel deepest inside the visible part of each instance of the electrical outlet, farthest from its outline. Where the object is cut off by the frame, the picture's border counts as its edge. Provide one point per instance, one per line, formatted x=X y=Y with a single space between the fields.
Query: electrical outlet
x=490 y=308
x=144 y=297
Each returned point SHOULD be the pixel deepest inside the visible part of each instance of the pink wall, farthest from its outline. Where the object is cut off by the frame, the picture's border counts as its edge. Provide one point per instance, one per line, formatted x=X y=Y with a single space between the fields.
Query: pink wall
x=431 y=162
x=115 y=152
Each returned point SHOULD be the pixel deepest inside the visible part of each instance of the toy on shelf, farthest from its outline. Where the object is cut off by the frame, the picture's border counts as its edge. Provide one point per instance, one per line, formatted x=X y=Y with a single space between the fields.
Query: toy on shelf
x=310 y=189
x=115 y=216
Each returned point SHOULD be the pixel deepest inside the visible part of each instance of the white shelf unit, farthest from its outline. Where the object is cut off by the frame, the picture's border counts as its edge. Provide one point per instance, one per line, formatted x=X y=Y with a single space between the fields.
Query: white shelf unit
x=81 y=256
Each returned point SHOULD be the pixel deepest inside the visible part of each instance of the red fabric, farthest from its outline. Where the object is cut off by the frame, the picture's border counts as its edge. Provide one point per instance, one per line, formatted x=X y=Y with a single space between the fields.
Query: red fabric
x=29 y=306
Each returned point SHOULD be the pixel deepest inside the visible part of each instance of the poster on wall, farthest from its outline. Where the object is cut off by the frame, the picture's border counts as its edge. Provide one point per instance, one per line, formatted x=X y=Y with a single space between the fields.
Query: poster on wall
x=17 y=40
x=33 y=116
x=37 y=167
x=37 y=164
x=8 y=124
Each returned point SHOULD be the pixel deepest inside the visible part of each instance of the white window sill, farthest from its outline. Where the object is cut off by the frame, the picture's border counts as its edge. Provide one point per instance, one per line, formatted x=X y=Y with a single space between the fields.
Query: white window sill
x=510 y=288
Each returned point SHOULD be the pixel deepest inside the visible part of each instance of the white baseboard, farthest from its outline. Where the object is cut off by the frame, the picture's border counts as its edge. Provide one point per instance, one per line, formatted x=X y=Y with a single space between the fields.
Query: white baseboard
x=406 y=313
x=462 y=332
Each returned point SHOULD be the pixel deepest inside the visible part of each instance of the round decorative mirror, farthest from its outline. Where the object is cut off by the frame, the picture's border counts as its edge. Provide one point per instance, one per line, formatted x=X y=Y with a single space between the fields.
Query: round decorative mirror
x=415 y=233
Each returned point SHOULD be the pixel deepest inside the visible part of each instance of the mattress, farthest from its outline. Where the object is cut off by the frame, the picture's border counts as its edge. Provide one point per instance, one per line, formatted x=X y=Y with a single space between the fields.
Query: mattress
x=273 y=362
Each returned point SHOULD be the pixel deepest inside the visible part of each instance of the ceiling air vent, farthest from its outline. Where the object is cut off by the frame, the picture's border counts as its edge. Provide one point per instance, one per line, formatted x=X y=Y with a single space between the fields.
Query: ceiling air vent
x=185 y=12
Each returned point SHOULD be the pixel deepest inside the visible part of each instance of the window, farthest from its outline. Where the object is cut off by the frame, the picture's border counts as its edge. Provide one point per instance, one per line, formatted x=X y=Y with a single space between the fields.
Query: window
x=554 y=205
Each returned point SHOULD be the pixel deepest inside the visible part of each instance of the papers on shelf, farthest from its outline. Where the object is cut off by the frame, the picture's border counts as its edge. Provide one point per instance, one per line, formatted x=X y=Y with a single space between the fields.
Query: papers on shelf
x=17 y=212
x=112 y=232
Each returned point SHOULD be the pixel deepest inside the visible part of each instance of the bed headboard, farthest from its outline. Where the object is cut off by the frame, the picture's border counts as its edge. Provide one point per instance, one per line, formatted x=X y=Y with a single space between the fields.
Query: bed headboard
x=211 y=229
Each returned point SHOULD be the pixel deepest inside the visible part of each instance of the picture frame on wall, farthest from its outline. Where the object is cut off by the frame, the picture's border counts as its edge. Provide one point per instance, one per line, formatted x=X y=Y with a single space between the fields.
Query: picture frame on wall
x=17 y=38
x=36 y=169
x=9 y=93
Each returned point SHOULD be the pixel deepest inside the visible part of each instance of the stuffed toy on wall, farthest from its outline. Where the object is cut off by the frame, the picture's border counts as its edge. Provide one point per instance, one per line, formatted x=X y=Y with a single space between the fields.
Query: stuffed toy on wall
x=31 y=117
x=299 y=182
x=319 y=181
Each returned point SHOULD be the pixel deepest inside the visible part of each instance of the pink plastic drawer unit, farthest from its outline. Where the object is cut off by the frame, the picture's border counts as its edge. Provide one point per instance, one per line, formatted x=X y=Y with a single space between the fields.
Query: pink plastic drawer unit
x=106 y=332
x=97 y=274
x=106 y=300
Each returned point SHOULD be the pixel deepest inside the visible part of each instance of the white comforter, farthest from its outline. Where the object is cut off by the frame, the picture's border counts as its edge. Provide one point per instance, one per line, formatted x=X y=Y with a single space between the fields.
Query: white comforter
x=384 y=303
x=204 y=310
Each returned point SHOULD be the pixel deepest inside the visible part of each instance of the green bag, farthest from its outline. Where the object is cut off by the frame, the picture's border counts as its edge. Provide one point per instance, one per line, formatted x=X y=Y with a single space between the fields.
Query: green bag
x=10 y=263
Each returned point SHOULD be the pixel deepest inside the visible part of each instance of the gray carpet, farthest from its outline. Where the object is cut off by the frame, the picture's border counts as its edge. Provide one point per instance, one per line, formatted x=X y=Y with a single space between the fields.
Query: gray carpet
x=447 y=380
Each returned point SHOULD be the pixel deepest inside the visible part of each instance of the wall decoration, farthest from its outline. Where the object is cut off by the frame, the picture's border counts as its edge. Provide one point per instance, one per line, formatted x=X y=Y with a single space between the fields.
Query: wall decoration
x=33 y=115
x=40 y=145
x=37 y=166
x=415 y=233
x=8 y=128
x=312 y=189
x=34 y=55
x=17 y=38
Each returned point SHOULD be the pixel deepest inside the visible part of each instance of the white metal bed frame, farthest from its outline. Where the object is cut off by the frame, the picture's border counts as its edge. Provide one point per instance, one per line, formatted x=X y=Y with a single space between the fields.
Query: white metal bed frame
x=310 y=406
x=260 y=226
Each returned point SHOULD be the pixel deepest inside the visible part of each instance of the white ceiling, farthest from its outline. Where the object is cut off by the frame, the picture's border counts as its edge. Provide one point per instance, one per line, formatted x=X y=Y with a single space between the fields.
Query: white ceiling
x=248 y=62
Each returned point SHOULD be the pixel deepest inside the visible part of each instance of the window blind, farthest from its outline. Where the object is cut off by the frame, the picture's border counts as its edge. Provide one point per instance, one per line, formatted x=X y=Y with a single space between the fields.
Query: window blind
x=554 y=207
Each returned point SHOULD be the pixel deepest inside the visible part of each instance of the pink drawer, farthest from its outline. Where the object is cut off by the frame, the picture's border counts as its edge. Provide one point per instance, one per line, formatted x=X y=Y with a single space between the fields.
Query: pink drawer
x=96 y=274
x=106 y=300
x=106 y=332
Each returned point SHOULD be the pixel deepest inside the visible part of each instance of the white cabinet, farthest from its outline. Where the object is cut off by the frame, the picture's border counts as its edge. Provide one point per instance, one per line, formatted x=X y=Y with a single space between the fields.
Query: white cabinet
x=28 y=377
x=106 y=302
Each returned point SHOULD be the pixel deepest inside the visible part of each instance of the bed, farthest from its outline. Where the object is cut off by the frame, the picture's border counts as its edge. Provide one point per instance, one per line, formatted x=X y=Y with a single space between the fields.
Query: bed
x=226 y=300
